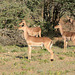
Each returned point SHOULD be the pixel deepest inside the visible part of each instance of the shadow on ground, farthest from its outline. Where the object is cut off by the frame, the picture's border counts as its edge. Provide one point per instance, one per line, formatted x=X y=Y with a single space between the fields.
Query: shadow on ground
x=21 y=57
x=21 y=45
x=59 y=44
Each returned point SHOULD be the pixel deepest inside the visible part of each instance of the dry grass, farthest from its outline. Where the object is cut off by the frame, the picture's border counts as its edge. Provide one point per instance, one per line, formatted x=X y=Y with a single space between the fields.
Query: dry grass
x=13 y=61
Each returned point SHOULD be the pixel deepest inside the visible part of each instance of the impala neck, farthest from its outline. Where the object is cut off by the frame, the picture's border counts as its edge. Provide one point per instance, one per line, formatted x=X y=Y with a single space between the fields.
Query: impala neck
x=26 y=35
x=24 y=23
x=60 y=28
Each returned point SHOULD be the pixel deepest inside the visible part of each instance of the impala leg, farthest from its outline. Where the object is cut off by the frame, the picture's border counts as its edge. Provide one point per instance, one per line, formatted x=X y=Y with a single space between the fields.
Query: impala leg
x=65 y=44
x=41 y=47
x=29 y=52
x=36 y=35
x=73 y=40
x=52 y=54
x=40 y=33
x=49 y=49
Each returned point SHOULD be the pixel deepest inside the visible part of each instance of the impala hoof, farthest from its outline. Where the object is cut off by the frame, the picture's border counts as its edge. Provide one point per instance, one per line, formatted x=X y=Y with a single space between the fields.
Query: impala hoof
x=52 y=59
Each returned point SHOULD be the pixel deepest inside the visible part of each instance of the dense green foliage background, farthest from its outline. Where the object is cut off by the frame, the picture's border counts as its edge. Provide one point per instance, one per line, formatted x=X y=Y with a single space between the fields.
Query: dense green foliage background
x=45 y=13
x=13 y=11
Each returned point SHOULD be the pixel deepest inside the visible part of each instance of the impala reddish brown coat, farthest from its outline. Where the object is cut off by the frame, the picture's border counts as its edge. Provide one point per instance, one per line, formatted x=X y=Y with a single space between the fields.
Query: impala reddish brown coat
x=66 y=35
x=37 y=41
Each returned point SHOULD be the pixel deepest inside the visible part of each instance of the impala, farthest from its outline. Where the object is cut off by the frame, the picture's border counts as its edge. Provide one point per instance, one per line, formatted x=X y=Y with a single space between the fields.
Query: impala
x=72 y=21
x=66 y=35
x=36 y=41
x=32 y=31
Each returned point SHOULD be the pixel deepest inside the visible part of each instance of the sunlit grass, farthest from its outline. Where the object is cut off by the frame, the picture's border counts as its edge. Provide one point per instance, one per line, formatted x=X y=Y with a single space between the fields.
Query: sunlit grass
x=2 y=50
x=39 y=64
x=61 y=58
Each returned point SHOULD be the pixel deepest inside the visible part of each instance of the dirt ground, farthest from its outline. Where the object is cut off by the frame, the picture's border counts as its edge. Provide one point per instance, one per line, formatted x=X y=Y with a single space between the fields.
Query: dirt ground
x=13 y=61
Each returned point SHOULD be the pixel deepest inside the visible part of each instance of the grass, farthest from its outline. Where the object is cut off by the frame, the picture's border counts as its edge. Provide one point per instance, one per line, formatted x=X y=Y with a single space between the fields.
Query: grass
x=71 y=54
x=2 y=50
x=14 y=61
x=61 y=58
x=54 y=73
x=14 y=50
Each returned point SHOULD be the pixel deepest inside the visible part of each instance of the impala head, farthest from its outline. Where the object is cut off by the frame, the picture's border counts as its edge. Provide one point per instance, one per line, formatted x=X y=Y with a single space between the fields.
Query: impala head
x=22 y=28
x=68 y=17
x=71 y=20
x=22 y=23
x=57 y=26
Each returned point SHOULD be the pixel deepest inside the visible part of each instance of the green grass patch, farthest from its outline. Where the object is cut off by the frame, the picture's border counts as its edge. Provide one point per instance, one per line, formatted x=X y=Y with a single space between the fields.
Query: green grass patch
x=34 y=51
x=23 y=73
x=14 y=50
x=2 y=62
x=20 y=73
x=6 y=59
x=54 y=73
x=72 y=47
x=43 y=61
x=61 y=58
x=2 y=50
x=71 y=62
x=16 y=63
x=57 y=72
x=23 y=49
x=4 y=73
x=70 y=54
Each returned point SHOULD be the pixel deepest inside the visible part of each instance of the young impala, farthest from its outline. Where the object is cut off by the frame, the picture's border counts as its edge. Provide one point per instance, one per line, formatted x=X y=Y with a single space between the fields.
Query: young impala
x=32 y=31
x=36 y=41
x=66 y=35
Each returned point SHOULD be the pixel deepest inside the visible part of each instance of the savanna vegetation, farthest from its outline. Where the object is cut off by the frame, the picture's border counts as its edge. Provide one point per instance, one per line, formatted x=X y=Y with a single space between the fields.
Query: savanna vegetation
x=13 y=48
x=43 y=13
x=34 y=12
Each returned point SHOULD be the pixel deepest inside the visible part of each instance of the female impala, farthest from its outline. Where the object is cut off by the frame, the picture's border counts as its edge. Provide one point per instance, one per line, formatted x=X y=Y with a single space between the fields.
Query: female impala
x=66 y=35
x=36 y=41
x=33 y=31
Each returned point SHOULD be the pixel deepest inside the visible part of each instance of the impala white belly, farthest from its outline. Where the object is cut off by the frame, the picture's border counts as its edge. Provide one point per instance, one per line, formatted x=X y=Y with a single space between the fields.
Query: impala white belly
x=36 y=44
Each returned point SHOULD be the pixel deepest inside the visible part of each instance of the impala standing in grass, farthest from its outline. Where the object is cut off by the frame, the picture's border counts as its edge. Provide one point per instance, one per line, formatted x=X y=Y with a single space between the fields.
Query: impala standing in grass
x=66 y=35
x=36 y=41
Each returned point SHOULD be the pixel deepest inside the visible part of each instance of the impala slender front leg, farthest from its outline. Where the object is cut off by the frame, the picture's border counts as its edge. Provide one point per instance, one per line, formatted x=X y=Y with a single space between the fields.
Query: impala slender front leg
x=74 y=42
x=36 y=35
x=73 y=39
x=29 y=52
x=40 y=33
x=65 y=44
x=52 y=54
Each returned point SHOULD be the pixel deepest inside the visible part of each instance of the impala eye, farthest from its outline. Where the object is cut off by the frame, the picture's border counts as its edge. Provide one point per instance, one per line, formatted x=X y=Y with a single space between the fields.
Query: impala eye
x=22 y=25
